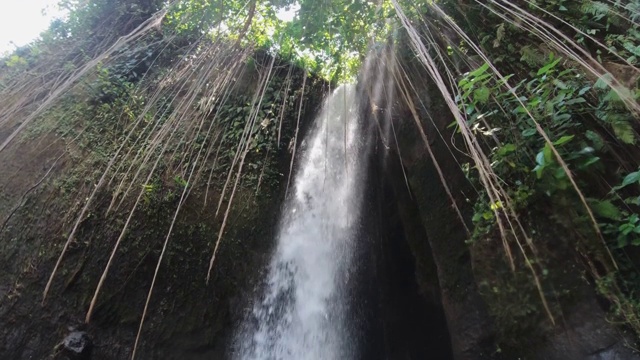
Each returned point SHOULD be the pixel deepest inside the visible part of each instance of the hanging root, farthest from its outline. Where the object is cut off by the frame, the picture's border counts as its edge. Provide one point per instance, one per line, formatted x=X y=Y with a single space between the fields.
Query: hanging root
x=487 y=176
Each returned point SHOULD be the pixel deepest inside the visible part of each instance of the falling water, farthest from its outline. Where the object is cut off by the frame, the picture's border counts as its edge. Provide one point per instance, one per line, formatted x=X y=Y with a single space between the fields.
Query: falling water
x=303 y=311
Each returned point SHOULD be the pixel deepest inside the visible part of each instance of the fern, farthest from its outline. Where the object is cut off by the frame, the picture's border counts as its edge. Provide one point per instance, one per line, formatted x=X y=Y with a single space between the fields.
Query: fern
x=633 y=7
x=596 y=9
x=605 y=209
x=531 y=56
x=620 y=122
x=624 y=132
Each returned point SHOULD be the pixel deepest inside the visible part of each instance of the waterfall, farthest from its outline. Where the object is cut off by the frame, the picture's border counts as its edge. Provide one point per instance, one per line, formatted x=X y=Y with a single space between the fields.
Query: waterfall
x=303 y=310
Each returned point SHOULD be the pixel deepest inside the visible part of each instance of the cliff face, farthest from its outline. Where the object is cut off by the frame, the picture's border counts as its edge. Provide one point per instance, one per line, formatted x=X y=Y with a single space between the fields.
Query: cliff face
x=435 y=234
x=431 y=292
x=187 y=318
x=491 y=311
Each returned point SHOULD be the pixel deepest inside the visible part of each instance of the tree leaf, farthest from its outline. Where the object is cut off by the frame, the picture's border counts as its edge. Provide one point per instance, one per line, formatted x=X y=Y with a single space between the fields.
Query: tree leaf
x=479 y=70
x=584 y=90
x=596 y=139
x=540 y=158
x=506 y=149
x=579 y=100
x=545 y=69
x=469 y=109
x=602 y=81
x=632 y=178
x=622 y=241
x=548 y=154
x=481 y=94
x=605 y=209
x=563 y=140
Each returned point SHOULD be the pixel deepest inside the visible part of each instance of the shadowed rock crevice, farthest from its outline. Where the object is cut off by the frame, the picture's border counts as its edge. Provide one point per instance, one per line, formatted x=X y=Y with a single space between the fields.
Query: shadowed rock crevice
x=406 y=320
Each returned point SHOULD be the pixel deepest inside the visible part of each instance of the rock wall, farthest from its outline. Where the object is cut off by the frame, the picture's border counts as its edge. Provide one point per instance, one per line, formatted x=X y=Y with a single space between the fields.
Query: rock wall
x=187 y=317
x=482 y=325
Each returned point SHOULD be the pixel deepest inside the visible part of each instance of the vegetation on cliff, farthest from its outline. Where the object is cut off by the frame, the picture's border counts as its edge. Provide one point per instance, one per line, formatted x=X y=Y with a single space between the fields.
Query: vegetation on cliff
x=148 y=102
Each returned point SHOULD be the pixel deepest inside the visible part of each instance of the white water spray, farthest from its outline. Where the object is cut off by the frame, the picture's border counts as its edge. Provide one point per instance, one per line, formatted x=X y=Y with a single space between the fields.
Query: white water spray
x=302 y=314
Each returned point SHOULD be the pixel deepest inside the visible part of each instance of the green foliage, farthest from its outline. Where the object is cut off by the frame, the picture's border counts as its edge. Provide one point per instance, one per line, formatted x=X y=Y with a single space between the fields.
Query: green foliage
x=245 y=116
x=16 y=61
x=585 y=121
x=620 y=219
x=339 y=32
x=556 y=100
x=561 y=101
x=612 y=111
x=329 y=38
x=89 y=20
x=180 y=181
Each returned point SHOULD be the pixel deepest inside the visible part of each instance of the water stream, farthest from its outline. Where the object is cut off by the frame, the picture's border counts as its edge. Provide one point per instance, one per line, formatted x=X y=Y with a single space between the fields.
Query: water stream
x=303 y=312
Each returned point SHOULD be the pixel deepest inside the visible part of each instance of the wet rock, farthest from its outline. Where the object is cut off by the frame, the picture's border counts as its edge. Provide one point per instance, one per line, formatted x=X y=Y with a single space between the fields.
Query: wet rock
x=586 y=334
x=77 y=346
